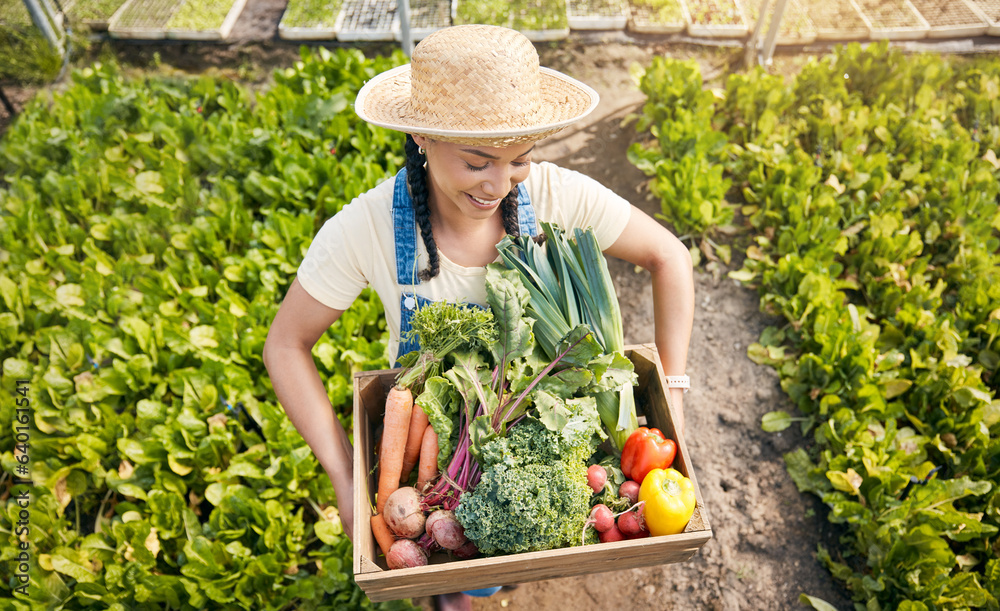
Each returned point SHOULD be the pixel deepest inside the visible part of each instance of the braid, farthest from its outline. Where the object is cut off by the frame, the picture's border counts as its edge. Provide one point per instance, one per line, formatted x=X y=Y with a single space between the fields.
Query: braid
x=508 y=213
x=416 y=179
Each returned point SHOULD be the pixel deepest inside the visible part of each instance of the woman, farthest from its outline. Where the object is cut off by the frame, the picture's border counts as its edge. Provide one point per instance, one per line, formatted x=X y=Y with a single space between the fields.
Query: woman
x=473 y=102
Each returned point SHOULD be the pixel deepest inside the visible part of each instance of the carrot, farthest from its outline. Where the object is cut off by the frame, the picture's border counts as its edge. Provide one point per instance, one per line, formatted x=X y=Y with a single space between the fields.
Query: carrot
x=395 y=425
x=418 y=422
x=382 y=533
x=428 y=468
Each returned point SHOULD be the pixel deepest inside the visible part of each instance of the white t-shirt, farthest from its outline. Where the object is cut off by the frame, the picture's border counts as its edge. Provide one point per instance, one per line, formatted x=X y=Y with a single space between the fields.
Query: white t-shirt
x=356 y=247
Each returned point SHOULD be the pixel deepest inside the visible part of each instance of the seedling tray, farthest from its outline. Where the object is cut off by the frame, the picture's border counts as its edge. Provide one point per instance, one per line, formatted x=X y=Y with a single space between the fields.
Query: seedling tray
x=597 y=14
x=538 y=20
x=142 y=19
x=95 y=14
x=368 y=20
x=717 y=19
x=838 y=20
x=892 y=19
x=310 y=20
x=663 y=19
x=444 y=574
x=990 y=9
x=796 y=27
x=215 y=31
x=428 y=16
x=952 y=18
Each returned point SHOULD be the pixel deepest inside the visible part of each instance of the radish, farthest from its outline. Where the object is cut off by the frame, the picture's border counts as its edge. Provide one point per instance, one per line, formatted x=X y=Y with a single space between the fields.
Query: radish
x=597 y=477
x=602 y=518
x=629 y=490
x=632 y=524
x=611 y=535
x=406 y=553
x=403 y=514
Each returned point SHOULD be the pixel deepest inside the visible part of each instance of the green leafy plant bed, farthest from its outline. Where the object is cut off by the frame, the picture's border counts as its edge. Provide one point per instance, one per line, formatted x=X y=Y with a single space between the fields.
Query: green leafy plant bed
x=867 y=186
x=717 y=19
x=597 y=14
x=539 y=20
x=951 y=18
x=893 y=19
x=205 y=19
x=368 y=20
x=143 y=19
x=796 y=27
x=95 y=14
x=991 y=11
x=427 y=16
x=838 y=20
x=310 y=20
x=167 y=217
x=659 y=16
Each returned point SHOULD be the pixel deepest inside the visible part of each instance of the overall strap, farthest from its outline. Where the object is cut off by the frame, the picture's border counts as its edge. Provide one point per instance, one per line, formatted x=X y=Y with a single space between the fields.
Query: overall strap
x=526 y=212
x=404 y=220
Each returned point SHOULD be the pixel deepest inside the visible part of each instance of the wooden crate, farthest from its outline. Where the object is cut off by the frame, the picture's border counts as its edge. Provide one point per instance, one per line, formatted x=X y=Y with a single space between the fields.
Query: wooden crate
x=445 y=574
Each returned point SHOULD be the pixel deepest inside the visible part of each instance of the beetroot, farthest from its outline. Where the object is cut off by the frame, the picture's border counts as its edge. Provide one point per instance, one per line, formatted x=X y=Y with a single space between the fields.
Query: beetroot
x=446 y=529
x=406 y=553
x=466 y=550
x=403 y=514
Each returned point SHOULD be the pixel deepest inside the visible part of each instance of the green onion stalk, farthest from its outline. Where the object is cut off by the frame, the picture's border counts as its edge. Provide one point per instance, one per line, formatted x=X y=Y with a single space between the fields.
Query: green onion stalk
x=569 y=284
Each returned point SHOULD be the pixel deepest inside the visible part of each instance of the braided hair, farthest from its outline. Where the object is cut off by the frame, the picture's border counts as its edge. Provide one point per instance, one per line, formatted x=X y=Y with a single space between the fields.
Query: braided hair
x=416 y=179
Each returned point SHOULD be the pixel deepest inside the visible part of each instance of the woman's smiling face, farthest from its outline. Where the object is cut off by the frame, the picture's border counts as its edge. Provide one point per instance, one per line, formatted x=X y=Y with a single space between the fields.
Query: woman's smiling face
x=473 y=180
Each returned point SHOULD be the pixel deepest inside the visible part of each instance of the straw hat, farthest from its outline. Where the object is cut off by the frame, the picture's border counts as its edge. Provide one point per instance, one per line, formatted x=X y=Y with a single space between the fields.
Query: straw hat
x=478 y=85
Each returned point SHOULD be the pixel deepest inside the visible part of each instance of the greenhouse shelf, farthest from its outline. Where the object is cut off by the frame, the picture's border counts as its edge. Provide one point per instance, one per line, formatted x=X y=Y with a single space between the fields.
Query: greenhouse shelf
x=427 y=16
x=838 y=20
x=310 y=20
x=991 y=11
x=892 y=19
x=538 y=20
x=95 y=14
x=952 y=18
x=597 y=14
x=205 y=19
x=659 y=16
x=368 y=20
x=796 y=26
x=142 y=19
x=717 y=19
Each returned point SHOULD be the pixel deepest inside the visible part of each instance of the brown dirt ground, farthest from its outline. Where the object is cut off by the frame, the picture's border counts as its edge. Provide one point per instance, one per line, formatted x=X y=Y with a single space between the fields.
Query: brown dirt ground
x=765 y=531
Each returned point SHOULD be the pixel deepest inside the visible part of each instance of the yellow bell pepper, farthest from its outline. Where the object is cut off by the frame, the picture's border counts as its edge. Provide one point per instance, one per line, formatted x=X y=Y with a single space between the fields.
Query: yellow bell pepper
x=669 y=501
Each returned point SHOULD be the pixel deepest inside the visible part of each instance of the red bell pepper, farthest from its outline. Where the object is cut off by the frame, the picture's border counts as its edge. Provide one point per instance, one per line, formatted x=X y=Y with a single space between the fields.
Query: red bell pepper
x=646 y=449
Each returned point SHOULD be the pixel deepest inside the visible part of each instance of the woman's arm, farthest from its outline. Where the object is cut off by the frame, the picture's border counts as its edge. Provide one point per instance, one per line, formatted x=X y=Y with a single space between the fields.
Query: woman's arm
x=300 y=322
x=648 y=244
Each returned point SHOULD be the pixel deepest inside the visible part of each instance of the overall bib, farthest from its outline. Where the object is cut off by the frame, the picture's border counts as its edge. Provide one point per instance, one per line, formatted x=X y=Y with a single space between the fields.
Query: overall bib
x=406 y=236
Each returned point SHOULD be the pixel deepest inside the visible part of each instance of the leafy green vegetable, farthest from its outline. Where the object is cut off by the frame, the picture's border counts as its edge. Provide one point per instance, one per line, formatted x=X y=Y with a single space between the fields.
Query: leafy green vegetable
x=869 y=190
x=569 y=285
x=533 y=494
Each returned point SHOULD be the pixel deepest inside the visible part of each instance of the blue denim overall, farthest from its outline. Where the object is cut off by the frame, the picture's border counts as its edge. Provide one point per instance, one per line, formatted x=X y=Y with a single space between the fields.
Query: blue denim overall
x=406 y=236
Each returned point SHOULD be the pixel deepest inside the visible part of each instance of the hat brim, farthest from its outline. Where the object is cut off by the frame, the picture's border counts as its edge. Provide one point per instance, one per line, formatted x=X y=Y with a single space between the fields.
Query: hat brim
x=384 y=101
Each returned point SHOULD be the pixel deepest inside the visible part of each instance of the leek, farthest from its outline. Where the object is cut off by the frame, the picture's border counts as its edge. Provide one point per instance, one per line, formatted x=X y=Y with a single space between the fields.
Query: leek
x=569 y=284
